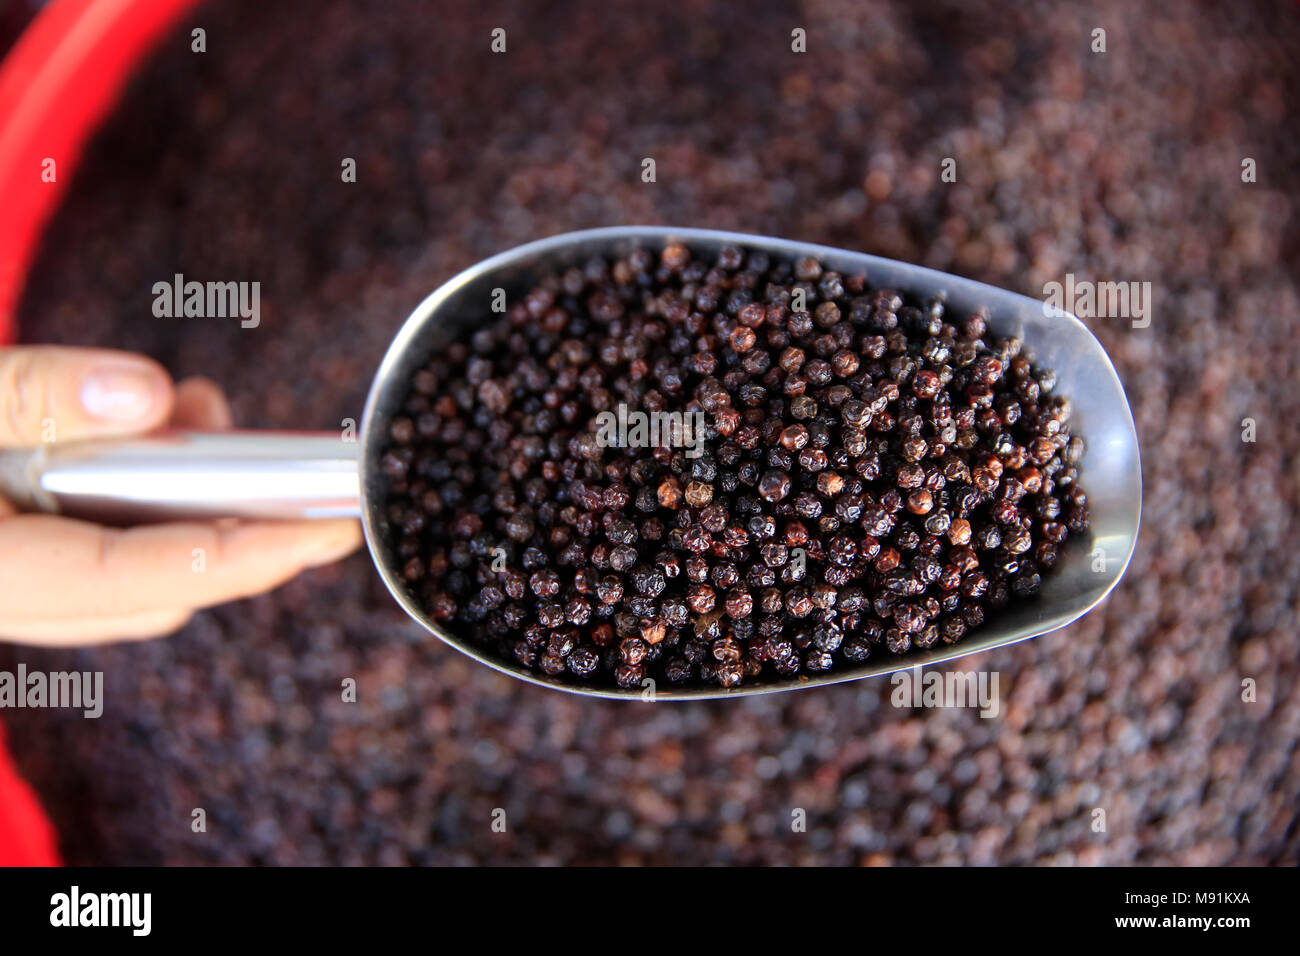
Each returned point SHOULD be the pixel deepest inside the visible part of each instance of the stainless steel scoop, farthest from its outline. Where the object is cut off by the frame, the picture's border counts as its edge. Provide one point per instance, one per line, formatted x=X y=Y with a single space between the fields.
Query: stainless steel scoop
x=261 y=474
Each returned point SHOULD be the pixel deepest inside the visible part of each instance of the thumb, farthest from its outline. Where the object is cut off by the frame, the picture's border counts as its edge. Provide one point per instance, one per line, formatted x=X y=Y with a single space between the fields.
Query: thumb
x=52 y=393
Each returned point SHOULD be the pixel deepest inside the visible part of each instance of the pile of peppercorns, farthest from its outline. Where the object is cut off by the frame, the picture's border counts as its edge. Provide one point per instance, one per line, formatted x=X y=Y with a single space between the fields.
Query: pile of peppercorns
x=874 y=476
x=1069 y=162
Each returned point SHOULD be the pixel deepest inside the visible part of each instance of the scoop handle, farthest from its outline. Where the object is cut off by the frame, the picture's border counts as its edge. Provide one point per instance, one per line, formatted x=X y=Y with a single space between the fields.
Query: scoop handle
x=178 y=475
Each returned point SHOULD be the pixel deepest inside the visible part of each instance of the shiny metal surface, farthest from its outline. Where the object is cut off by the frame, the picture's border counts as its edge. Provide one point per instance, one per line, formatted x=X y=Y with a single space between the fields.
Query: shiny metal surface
x=1111 y=470
x=184 y=474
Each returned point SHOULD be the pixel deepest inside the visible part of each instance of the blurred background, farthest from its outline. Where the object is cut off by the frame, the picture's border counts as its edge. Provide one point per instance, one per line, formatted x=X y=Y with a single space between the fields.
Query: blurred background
x=1117 y=166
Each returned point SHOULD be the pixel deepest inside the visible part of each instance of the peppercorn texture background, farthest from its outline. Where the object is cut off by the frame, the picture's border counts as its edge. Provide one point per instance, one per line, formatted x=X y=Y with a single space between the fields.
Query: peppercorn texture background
x=1123 y=166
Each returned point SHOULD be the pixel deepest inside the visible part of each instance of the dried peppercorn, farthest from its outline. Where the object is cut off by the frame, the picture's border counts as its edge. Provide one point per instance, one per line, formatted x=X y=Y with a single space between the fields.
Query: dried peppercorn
x=914 y=475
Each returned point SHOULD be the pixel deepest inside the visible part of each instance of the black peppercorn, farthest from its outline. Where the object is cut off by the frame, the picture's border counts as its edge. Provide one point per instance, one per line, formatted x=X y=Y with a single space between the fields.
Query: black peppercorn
x=867 y=460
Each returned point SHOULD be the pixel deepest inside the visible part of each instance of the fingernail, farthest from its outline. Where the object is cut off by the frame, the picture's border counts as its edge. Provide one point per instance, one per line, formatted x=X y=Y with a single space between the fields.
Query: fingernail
x=121 y=392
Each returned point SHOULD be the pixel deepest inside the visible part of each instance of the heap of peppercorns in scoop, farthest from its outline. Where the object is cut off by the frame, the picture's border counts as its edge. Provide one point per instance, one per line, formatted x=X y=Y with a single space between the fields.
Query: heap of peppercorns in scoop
x=875 y=475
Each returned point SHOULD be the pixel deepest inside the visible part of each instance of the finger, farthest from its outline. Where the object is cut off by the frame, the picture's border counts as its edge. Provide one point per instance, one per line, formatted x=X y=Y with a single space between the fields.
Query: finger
x=86 y=631
x=200 y=403
x=51 y=393
x=54 y=568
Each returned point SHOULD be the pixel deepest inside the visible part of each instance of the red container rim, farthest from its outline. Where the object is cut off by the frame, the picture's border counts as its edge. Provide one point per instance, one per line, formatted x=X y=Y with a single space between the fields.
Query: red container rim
x=58 y=82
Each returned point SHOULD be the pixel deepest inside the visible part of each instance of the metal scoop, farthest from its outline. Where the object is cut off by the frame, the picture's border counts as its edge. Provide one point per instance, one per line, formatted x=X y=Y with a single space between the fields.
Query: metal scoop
x=266 y=474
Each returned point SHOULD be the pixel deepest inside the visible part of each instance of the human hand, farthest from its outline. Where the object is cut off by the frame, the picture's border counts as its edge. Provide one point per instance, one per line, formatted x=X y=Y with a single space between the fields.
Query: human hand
x=67 y=583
